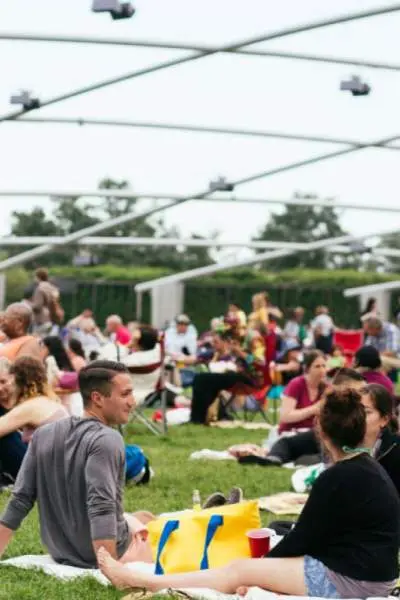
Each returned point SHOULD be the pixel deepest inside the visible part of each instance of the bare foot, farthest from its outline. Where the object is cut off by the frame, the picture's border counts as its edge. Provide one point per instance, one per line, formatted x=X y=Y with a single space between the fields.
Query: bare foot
x=242 y=591
x=119 y=575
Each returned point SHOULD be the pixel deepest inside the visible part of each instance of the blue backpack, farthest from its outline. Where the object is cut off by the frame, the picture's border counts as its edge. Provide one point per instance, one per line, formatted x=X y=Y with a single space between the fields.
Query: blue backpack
x=137 y=465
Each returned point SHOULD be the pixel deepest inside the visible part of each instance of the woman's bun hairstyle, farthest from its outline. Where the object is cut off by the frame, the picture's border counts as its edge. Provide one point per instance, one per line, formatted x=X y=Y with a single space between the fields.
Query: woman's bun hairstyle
x=342 y=418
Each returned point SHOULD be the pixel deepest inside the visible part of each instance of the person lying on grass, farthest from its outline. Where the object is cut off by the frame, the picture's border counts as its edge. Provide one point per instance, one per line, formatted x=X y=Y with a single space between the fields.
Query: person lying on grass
x=345 y=544
x=75 y=470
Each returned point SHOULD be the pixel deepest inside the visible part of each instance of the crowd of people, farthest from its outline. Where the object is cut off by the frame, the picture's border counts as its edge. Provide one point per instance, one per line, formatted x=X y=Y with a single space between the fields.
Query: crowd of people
x=64 y=388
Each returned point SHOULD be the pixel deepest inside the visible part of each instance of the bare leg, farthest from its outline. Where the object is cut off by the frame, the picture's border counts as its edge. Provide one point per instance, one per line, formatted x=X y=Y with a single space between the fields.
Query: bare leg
x=282 y=575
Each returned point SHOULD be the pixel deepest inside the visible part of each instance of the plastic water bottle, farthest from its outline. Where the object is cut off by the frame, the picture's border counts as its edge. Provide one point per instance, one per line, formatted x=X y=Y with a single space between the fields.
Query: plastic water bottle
x=196 y=500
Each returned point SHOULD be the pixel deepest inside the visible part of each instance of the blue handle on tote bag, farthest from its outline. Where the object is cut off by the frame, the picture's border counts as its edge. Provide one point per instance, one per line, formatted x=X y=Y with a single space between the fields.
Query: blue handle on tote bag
x=214 y=523
x=169 y=528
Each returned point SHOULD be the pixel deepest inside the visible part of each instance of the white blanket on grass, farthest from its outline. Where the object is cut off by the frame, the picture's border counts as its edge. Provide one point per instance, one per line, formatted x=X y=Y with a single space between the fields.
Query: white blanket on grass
x=65 y=572
x=46 y=564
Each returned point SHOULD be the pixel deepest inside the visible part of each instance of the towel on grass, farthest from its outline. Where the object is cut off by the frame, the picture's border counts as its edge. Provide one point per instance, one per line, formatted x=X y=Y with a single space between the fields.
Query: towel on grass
x=46 y=564
x=286 y=503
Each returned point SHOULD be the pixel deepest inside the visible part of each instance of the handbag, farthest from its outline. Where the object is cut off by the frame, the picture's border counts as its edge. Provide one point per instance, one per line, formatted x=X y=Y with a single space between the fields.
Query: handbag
x=198 y=540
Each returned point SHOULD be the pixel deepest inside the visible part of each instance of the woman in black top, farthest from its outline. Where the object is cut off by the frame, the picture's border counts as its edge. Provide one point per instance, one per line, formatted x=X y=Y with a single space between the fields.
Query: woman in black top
x=345 y=543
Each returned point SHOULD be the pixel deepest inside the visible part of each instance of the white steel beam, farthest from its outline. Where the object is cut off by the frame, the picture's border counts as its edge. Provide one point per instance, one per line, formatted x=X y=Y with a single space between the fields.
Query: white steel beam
x=372 y=289
x=211 y=269
x=203 y=129
x=76 y=193
x=230 y=47
x=166 y=45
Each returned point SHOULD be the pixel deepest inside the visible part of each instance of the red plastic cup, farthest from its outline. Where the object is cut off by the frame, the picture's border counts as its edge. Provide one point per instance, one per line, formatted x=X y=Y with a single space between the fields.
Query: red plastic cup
x=259 y=541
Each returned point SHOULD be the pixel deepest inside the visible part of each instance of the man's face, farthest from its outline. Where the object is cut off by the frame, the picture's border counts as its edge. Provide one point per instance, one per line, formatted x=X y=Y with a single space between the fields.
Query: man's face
x=372 y=331
x=182 y=328
x=117 y=407
x=6 y=389
x=111 y=326
x=217 y=343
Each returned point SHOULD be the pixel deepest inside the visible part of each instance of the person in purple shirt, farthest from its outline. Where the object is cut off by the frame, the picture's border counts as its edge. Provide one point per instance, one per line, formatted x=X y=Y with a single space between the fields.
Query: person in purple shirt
x=368 y=362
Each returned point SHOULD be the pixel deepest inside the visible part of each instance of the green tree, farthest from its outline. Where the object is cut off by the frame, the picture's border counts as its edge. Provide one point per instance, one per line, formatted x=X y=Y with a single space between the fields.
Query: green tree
x=391 y=241
x=71 y=214
x=306 y=224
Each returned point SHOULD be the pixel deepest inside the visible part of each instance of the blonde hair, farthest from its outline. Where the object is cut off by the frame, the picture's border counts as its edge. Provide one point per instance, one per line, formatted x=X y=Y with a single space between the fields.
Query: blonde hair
x=30 y=379
x=260 y=300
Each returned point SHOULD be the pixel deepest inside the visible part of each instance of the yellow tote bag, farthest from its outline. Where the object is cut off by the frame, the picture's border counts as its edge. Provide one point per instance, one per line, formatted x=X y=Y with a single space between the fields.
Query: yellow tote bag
x=204 y=539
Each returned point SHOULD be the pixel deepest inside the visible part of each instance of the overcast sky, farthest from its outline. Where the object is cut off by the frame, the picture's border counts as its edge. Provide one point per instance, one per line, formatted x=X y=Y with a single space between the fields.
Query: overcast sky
x=223 y=90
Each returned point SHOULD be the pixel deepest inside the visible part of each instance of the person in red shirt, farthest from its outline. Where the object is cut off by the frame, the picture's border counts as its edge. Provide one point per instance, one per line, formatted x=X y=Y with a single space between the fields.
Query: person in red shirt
x=118 y=332
x=301 y=400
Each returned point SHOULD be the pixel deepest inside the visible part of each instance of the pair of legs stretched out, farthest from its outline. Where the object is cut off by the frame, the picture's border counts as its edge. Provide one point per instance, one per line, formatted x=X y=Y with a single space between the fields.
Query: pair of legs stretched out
x=281 y=575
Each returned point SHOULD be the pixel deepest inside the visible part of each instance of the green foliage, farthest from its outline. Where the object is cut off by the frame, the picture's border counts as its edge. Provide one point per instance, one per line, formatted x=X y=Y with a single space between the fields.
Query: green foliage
x=72 y=214
x=391 y=241
x=110 y=273
x=244 y=276
x=306 y=224
x=110 y=289
x=17 y=280
x=170 y=490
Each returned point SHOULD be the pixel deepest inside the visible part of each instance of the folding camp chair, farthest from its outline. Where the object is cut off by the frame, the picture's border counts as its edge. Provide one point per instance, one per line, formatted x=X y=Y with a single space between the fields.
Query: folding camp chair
x=259 y=393
x=160 y=392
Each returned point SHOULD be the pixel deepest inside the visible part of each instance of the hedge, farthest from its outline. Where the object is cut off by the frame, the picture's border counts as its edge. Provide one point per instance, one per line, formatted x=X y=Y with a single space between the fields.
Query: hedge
x=110 y=289
x=243 y=276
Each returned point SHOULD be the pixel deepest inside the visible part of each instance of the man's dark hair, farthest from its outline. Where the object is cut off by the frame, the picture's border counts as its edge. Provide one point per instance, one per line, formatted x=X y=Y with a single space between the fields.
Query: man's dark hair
x=148 y=337
x=368 y=357
x=97 y=377
x=346 y=375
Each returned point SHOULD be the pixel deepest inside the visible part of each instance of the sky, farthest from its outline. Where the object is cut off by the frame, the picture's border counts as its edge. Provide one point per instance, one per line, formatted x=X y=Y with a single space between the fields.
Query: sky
x=222 y=91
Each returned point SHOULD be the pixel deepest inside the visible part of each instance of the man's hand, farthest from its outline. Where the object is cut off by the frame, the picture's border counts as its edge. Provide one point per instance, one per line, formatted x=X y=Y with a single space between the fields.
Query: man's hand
x=5 y=536
x=109 y=545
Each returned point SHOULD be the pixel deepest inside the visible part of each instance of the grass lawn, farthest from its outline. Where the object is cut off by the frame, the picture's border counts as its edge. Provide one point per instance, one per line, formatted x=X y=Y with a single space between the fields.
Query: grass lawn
x=171 y=489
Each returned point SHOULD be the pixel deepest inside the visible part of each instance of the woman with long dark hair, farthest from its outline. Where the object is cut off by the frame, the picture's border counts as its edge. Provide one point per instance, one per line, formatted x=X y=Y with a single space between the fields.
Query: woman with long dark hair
x=53 y=346
x=76 y=354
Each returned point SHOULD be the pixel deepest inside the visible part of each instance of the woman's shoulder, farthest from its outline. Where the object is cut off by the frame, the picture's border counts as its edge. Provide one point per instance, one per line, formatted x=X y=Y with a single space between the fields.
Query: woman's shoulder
x=296 y=383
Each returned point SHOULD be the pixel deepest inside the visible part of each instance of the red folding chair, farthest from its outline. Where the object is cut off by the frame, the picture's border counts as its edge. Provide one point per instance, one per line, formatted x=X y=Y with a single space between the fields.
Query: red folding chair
x=258 y=392
x=350 y=340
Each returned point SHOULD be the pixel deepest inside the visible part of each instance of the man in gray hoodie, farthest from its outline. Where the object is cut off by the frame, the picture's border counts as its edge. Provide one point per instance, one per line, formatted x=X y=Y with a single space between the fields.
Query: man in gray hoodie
x=75 y=470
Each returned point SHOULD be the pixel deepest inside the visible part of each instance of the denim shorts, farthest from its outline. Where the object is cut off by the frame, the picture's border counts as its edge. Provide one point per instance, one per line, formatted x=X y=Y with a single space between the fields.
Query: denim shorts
x=318 y=584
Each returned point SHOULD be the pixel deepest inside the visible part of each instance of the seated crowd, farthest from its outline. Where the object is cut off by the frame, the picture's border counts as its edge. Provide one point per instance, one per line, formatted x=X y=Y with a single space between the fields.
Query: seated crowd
x=64 y=389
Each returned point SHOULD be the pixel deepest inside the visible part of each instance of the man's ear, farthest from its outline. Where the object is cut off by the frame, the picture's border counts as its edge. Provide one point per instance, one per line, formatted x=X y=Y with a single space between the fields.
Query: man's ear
x=97 y=398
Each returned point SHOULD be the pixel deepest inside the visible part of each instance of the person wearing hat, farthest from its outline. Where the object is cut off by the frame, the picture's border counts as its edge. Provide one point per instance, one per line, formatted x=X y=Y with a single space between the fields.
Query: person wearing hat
x=181 y=340
x=368 y=362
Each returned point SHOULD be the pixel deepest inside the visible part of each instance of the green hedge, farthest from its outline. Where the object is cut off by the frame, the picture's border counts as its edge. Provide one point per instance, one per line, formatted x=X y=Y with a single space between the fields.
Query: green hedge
x=244 y=276
x=110 y=289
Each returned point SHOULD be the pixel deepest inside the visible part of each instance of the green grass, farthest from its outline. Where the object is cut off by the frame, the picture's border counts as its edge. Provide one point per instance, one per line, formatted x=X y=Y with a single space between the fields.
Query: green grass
x=171 y=489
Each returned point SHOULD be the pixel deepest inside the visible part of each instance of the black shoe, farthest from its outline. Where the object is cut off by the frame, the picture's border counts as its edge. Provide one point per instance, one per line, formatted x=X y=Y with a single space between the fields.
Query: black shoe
x=235 y=496
x=265 y=461
x=216 y=499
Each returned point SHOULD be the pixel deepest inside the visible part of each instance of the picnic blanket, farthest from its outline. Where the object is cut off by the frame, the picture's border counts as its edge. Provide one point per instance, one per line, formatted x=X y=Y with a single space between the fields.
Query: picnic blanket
x=45 y=563
x=64 y=572
x=286 y=503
